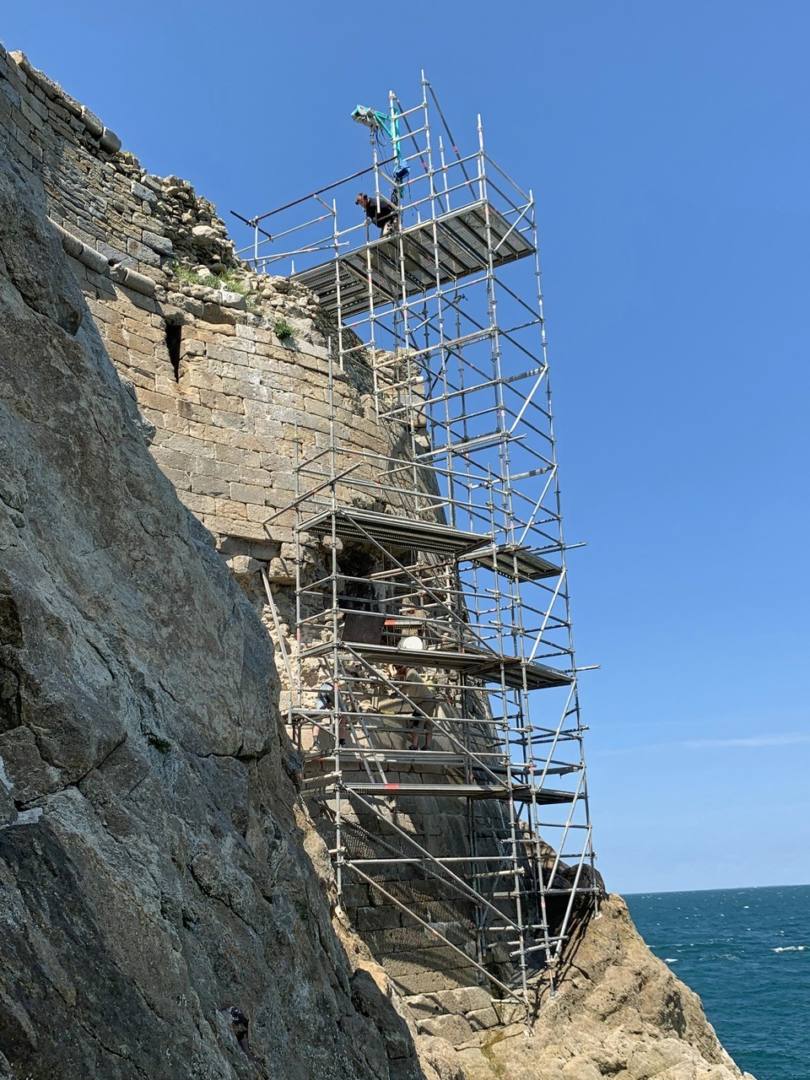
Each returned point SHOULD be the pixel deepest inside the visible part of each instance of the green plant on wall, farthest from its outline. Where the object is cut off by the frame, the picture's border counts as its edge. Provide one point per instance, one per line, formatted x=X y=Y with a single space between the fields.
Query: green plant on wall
x=222 y=279
x=189 y=276
x=282 y=330
x=229 y=280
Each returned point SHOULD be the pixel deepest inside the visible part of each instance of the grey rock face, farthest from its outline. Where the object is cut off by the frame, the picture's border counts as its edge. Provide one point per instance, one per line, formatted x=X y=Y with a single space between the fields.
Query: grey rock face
x=620 y=1012
x=44 y=283
x=152 y=870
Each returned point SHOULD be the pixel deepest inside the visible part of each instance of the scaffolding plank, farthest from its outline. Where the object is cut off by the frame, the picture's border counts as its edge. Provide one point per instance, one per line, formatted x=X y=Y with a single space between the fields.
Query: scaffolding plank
x=388 y=266
x=521 y=792
x=445 y=759
x=356 y=524
x=426 y=760
x=461 y=237
x=514 y=561
x=508 y=559
x=353 y=286
x=384 y=269
x=471 y=232
x=453 y=245
x=480 y=665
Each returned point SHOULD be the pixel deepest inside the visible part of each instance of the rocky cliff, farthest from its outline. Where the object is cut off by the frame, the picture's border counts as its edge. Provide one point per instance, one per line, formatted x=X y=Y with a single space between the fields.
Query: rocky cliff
x=167 y=904
x=156 y=870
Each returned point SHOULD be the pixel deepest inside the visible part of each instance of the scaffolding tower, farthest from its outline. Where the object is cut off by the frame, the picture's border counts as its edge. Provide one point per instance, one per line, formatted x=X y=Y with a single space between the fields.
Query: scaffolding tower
x=451 y=618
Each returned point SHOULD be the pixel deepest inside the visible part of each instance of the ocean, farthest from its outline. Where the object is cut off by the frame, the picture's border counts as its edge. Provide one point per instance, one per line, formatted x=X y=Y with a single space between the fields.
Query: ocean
x=747 y=953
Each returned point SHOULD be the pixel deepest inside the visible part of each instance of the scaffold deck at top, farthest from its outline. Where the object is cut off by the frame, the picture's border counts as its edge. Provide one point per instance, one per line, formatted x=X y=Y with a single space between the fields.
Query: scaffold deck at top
x=406 y=259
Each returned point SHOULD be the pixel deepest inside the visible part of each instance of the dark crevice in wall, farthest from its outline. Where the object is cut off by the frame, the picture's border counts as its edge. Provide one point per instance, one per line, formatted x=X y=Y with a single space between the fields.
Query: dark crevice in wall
x=174 y=338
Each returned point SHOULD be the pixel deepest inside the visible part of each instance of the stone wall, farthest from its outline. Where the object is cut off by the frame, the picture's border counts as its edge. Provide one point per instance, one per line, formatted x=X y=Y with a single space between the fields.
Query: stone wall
x=225 y=407
x=97 y=191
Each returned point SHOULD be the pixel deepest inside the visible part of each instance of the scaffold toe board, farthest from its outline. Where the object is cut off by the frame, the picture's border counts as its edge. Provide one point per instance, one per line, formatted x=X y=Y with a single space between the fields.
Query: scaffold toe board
x=463 y=241
x=521 y=792
x=355 y=524
x=479 y=665
x=514 y=561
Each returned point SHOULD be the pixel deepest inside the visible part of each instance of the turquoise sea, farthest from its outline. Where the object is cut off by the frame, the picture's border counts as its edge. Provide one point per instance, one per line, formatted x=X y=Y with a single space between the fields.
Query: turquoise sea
x=747 y=953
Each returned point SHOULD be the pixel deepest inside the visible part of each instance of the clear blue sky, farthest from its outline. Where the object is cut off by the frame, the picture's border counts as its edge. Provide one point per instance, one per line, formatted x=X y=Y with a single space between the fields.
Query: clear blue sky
x=668 y=144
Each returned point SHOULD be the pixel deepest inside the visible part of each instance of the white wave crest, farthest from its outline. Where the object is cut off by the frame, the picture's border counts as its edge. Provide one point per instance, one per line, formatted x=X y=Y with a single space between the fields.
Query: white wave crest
x=790 y=948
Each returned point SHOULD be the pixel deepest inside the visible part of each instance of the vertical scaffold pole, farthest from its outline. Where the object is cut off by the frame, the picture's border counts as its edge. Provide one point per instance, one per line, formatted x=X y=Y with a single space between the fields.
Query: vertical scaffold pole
x=502 y=614
x=572 y=705
x=337 y=692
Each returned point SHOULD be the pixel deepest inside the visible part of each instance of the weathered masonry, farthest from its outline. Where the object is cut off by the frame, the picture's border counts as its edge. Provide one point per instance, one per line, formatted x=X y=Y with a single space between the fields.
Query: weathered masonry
x=368 y=435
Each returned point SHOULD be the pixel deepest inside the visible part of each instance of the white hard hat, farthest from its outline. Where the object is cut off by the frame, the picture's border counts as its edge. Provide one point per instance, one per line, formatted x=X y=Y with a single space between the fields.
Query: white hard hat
x=412 y=643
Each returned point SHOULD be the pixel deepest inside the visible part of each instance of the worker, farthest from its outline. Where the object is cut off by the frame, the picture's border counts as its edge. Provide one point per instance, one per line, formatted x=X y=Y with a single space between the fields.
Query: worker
x=379 y=211
x=327 y=702
x=422 y=696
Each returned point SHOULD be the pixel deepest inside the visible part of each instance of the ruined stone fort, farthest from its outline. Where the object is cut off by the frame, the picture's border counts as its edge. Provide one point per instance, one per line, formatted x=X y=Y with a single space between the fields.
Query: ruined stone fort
x=370 y=790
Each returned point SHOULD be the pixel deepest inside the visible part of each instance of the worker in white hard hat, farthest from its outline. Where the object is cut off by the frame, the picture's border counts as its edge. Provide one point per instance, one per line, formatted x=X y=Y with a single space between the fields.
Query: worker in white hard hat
x=327 y=701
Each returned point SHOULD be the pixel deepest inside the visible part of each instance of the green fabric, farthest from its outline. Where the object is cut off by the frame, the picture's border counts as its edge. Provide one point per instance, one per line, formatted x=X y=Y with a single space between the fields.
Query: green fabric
x=379 y=121
x=363 y=114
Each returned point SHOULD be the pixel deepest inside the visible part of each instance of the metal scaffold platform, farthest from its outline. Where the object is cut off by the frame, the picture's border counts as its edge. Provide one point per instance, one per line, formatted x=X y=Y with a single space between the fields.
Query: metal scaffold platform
x=440 y=250
x=434 y=674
